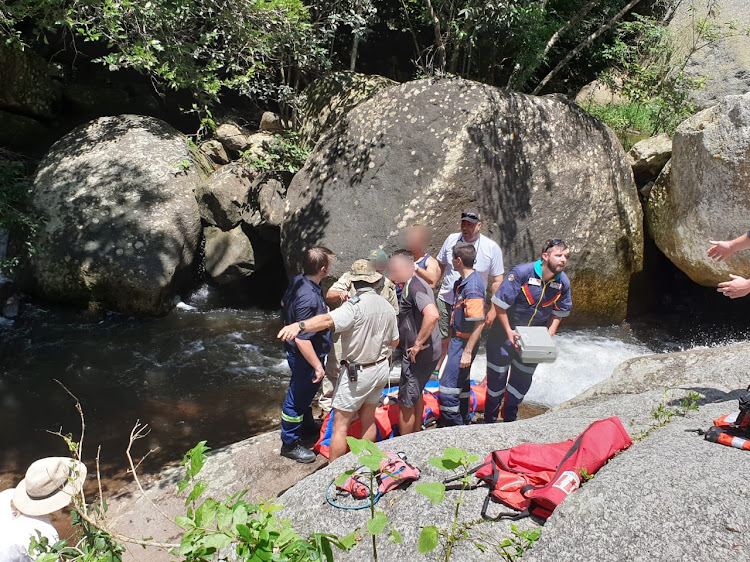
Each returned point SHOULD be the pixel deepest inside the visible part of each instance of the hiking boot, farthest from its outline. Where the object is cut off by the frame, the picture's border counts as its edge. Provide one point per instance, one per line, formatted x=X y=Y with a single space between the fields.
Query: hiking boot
x=298 y=453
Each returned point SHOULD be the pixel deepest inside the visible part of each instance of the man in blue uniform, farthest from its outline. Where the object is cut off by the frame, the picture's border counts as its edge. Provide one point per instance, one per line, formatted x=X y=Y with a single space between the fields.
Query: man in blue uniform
x=467 y=322
x=305 y=353
x=533 y=294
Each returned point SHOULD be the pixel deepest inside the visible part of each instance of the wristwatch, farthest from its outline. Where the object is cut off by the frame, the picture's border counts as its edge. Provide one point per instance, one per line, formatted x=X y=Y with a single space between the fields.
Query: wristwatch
x=301 y=326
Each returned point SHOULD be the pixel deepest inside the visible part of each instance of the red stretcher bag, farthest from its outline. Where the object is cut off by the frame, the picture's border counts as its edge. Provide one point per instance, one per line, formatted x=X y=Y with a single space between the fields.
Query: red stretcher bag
x=535 y=478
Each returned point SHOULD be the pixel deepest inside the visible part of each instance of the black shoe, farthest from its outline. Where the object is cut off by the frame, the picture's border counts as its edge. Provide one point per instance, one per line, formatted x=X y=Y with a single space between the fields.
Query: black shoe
x=298 y=453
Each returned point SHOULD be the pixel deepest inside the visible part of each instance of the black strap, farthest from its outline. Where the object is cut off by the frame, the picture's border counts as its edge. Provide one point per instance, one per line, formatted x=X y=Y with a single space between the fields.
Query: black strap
x=505 y=515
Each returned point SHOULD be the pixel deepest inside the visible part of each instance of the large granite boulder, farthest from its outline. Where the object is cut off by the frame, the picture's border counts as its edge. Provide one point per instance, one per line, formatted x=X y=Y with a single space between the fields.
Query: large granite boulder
x=330 y=97
x=704 y=192
x=722 y=66
x=223 y=197
x=536 y=167
x=121 y=222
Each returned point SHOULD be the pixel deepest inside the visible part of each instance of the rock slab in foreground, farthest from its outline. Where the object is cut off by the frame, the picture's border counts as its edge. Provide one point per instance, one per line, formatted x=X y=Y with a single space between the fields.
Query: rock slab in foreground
x=536 y=167
x=704 y=192
x=671 y=496
x=121 y=222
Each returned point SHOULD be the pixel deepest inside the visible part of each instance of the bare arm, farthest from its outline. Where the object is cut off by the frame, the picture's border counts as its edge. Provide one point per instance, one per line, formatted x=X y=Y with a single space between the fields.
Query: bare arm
x=432 y=274
x=430 y=318
x=495 y=282
x=554 y=324
x=315 y=324
x=723 y=249
x=336 y=297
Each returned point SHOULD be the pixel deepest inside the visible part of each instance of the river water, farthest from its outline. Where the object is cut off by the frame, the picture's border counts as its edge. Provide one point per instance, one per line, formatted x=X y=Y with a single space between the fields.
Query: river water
x=214 y=373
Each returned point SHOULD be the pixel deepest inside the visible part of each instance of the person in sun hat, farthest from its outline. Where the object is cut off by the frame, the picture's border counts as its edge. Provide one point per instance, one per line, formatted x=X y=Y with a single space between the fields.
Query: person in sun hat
x=50 y=485
x=369 y=332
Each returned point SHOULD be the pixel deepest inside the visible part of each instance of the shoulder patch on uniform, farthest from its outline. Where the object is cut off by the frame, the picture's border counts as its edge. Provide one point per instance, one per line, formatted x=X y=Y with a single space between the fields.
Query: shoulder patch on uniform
x=355 y=299
x=511 y=277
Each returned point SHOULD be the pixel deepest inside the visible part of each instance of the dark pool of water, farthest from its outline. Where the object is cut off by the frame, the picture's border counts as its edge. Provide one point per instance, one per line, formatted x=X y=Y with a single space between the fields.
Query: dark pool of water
x=209 y=373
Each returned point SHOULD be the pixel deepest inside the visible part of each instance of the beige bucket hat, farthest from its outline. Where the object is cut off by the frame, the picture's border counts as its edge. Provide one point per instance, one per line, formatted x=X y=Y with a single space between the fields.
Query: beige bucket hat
x=362 y=271
x=50 y=484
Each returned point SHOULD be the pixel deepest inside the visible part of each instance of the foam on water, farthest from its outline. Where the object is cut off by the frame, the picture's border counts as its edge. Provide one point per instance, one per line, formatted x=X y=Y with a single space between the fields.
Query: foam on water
x=585 y=357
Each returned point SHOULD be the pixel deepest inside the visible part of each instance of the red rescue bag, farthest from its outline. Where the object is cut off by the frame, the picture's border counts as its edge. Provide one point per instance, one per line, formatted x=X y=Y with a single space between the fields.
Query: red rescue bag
x=535 y=478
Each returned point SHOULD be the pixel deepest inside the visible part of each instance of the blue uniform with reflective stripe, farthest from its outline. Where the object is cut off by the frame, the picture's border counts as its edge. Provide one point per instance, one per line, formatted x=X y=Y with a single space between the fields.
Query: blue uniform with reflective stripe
x=529 y=301
x=303 y=299
x=455 y=385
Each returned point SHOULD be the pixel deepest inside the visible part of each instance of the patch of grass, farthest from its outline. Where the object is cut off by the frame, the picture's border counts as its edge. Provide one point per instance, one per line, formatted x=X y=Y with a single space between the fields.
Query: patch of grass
x=631 y=122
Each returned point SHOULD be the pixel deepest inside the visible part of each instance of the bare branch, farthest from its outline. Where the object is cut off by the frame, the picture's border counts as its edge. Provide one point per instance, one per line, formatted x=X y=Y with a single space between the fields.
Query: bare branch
x=140 y=431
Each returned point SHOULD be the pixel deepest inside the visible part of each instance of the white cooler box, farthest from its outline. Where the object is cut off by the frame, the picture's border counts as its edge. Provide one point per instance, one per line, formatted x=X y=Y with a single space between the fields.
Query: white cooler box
x=537 y=346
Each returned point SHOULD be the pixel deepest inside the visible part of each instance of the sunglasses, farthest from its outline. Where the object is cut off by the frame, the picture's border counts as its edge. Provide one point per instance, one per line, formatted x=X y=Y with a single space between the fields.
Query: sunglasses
x=554 y=242
x=471 y=216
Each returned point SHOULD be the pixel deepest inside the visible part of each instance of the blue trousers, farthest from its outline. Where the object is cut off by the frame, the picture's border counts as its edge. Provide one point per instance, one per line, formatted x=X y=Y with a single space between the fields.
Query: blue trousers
x=296 y=412
x=508 y=379
x=455 y=386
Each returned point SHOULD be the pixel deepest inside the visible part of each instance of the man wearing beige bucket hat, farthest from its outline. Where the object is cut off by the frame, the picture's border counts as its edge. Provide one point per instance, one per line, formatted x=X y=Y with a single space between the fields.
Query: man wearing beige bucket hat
x=50 y=485
x=369 y=333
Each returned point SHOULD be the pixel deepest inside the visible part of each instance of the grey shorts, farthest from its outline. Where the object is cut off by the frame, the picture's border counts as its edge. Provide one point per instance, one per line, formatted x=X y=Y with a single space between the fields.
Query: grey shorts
x=445 y=311
x=367 y=389
x=414 y=377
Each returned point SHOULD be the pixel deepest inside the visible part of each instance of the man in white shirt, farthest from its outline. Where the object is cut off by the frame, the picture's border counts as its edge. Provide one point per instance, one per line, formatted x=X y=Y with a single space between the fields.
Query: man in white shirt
x=50 y=484
x=488 y=264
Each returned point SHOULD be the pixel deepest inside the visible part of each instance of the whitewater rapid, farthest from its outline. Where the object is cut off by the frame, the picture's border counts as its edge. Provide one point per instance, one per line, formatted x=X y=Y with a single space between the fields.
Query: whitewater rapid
x=585 y=357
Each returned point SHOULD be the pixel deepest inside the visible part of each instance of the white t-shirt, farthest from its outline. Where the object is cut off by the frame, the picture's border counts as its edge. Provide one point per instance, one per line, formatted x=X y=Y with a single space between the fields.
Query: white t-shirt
x=16 y=532
x=489 y=261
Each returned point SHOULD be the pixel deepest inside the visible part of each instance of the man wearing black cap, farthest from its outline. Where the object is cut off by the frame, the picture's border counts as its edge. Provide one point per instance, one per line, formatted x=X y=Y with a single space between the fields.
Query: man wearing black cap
x=488 y=264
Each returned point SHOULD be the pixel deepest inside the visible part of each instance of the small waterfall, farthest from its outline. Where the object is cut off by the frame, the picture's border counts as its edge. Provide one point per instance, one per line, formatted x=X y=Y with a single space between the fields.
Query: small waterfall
x=585 y=357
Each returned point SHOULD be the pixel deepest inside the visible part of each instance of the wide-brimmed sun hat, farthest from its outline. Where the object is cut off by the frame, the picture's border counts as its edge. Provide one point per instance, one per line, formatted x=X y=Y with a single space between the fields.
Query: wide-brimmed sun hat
x=362 y=271
x=50 y=484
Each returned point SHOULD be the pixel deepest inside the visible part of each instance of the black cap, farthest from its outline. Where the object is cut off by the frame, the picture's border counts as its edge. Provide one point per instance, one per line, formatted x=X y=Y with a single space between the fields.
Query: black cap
x=471 y=215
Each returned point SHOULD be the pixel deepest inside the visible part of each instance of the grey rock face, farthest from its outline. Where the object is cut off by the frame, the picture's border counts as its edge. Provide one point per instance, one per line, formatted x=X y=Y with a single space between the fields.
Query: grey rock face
x=26 y=86
x=645 y=504
x=215 y=151
x=724 y=66
x=423 y=151
x=229 y=255
x=270 y=121
x=232 y=137
x=649 y=156
x=223 y=197
x=122 y=225
x=704 y=193
x=329 y=98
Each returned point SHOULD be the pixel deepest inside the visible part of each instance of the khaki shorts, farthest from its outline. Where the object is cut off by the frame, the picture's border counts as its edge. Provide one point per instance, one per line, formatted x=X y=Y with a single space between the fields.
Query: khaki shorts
x=445 y=311
x=367 y=389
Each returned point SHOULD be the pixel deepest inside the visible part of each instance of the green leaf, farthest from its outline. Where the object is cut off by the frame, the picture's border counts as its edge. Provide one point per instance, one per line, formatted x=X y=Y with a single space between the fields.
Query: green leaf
x=356 y=446
x=184 y=522
x=377 y=524
x=444 y=464
x=223 y=517
x=471 y=459
x=434 y=491
x=373 y=449
x=196 y=492
x=216 y=541
x=428 y=539
x=348 y=542
x=206 y=512
x=395 y=537
x=454 y=454
x=370 y=462
x=342 y=478
x=240 y=515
